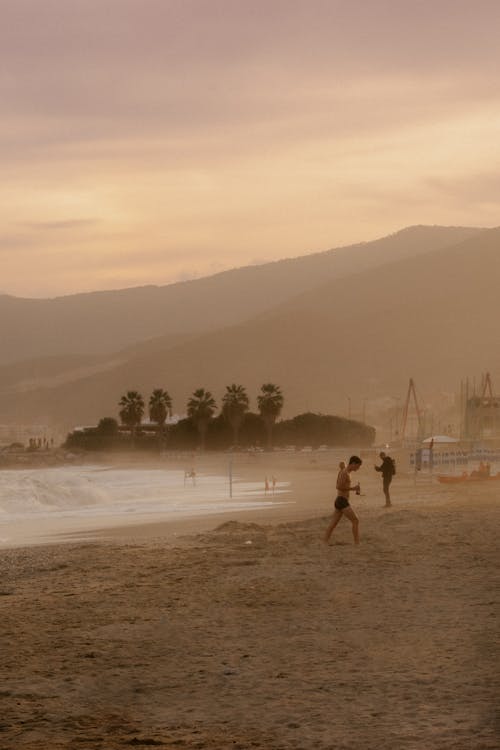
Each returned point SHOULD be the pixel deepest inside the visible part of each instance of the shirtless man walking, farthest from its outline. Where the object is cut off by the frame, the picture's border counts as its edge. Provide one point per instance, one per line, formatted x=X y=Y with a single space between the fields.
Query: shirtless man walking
x=342 y=507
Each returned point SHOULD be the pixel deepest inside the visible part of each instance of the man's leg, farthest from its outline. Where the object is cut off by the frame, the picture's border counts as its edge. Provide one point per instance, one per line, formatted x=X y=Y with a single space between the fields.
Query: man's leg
x=351 y=515
x=387 y=494
x=335 y=519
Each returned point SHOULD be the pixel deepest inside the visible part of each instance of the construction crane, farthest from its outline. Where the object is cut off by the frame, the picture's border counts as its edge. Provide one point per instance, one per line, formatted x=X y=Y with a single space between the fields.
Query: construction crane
x=411 y=392
x=487 y=387
x=482 y=413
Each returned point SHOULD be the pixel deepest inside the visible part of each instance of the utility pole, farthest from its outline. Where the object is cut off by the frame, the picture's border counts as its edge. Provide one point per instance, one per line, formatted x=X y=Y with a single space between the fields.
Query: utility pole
x=231 y=475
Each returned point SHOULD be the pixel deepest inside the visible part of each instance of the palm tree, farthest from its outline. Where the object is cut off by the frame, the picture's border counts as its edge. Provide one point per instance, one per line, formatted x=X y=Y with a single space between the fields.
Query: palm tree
x=200 y=408
x=160 y=406
x=270 y=403
x=131 y=410
x=234 y=405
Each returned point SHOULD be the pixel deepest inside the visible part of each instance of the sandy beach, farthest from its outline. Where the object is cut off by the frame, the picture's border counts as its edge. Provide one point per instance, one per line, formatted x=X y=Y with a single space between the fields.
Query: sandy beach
x=246 y=631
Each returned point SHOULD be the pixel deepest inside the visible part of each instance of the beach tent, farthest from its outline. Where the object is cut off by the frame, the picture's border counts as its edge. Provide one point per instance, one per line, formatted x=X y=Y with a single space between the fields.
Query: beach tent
x=440 y=439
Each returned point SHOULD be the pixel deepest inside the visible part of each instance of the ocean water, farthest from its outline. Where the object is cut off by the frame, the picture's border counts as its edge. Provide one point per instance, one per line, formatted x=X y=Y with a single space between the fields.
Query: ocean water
x=44 y=502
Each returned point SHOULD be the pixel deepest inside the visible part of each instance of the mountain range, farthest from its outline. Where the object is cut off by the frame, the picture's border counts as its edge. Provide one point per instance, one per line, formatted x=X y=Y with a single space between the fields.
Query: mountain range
x=333 y=328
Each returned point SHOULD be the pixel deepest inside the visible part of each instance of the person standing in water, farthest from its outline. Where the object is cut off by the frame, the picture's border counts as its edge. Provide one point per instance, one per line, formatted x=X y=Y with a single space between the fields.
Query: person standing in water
x=342 y=507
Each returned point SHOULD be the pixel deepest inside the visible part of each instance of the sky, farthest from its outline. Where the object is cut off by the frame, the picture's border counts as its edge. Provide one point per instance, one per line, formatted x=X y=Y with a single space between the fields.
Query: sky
x=153 y=141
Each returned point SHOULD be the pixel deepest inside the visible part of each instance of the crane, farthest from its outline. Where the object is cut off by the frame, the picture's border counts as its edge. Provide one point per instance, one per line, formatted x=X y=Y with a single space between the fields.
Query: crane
x=411 y=392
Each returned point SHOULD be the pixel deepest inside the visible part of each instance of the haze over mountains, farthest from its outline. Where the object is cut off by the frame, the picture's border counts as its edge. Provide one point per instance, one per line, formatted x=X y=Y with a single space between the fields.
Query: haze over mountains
x=101 y=322
x=353 y=323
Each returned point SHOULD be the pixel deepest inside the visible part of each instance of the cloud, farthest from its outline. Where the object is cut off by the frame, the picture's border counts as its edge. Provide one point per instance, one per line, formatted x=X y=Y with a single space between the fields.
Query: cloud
x=477 y=186
x=142 y=139
x=124 y=66
x=68 y=224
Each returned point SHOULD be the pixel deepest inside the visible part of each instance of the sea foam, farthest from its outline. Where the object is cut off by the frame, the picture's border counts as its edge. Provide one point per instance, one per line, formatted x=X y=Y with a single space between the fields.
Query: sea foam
x=91 y=493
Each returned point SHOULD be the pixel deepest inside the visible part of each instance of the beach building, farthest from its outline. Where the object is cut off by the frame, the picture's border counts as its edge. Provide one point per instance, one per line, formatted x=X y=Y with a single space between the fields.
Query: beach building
x=22 y=433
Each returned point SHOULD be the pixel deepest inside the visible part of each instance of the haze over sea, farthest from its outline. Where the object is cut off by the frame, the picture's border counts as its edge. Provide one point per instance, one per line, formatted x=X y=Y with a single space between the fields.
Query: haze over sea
x=37 y=504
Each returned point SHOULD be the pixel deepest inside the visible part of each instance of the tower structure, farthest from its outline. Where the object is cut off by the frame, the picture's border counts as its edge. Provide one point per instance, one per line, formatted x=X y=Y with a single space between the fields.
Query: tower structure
x=482 y=413
x=412 y=392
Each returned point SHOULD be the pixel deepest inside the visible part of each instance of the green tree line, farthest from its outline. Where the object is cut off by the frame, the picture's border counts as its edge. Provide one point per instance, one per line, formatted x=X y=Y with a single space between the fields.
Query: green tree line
x=235 y=425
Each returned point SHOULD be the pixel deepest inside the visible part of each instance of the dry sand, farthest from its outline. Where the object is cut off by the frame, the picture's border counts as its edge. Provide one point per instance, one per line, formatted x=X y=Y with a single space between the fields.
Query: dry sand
x=249 y=633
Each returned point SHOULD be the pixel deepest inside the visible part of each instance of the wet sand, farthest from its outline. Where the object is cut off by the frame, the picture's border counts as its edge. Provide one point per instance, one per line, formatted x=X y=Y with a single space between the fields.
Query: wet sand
x=248 y=632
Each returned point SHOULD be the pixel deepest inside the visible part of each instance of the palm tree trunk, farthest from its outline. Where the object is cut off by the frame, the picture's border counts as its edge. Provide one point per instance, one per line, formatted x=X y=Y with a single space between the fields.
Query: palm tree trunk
x=236 y=433
x=269 y=428
x=203 y=431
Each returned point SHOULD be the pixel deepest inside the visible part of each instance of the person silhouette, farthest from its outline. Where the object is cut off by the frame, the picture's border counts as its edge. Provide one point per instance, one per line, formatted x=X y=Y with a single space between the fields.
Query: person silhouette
x=386 y=468
x=342 y=506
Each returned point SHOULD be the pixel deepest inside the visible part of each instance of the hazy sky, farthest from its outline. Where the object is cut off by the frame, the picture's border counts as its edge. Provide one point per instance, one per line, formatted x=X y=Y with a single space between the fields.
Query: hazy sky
x=146 y=141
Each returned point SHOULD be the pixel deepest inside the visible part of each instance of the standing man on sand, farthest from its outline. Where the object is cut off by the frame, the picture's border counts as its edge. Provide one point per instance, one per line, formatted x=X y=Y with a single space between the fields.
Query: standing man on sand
x=342 y=507
x=388 y=470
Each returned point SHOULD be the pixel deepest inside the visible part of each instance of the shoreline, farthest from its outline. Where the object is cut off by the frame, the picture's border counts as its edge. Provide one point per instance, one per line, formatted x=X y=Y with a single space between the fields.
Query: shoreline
x=181 y=500
x=309 y=479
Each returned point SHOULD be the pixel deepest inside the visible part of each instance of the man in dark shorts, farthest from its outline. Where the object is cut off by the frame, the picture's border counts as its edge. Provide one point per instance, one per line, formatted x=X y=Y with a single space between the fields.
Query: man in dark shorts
x=342 y=507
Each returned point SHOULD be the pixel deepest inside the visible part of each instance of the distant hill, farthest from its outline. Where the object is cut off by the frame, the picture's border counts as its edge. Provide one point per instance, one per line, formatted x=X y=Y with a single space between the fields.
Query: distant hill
x=44 y=372
x=104 y=322
x=433 y=317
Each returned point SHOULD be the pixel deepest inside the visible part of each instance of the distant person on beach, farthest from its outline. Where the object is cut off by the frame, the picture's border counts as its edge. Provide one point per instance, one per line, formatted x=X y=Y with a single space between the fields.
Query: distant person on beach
x=190 y=474
x=387 y=469
x=342 y=507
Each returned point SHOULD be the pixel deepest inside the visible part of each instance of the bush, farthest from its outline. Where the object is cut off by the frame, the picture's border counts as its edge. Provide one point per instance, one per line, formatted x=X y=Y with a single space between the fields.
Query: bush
x=322 y=429
x=304 y=429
